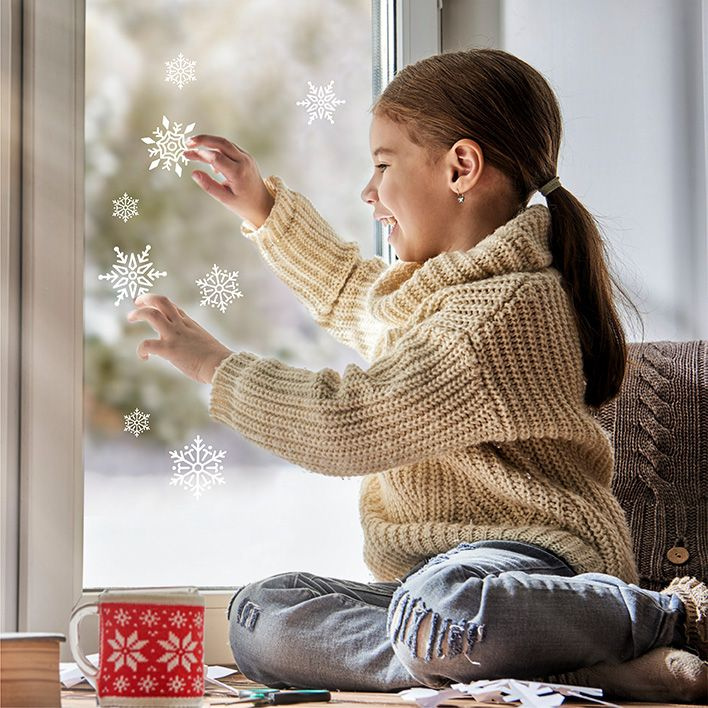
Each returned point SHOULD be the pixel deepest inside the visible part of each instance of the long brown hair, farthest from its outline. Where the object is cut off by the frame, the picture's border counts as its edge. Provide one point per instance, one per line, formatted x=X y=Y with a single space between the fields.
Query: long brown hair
x=504 y=104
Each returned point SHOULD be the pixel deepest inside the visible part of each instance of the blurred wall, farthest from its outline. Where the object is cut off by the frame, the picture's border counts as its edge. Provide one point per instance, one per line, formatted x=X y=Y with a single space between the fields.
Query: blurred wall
x=631 y=81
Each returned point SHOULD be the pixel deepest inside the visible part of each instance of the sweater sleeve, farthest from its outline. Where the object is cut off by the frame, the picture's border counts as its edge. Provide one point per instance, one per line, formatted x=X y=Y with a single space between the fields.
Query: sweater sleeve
x=422 y=400
x=327 y=274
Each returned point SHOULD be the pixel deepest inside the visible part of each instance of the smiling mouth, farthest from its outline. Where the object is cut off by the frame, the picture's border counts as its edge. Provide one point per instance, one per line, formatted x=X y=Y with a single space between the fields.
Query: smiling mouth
x=389 y=228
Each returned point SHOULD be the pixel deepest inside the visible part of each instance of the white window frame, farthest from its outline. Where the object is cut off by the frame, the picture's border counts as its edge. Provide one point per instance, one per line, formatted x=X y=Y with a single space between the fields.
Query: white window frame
x=42 y=220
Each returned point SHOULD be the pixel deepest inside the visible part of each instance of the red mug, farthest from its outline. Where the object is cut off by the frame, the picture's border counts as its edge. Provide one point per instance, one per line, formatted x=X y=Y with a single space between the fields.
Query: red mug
x=151 y=646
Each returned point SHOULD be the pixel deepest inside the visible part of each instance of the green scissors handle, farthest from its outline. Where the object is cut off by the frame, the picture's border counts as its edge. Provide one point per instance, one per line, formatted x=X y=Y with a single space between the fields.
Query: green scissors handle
x=277 y=697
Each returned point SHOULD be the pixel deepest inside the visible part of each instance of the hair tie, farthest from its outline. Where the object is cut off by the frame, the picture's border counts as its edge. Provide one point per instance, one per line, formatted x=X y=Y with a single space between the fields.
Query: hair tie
x=550 y=186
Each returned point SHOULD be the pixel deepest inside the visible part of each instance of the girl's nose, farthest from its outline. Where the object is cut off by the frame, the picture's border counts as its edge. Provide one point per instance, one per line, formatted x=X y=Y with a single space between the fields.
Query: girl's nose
x=367 y=194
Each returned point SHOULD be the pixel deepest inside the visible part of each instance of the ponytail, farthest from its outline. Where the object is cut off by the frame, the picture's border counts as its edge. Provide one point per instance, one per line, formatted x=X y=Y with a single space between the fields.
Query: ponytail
x=579 y=254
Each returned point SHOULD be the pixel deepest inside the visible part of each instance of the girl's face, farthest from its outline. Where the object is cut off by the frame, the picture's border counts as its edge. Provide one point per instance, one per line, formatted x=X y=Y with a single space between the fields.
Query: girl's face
x=423 y=199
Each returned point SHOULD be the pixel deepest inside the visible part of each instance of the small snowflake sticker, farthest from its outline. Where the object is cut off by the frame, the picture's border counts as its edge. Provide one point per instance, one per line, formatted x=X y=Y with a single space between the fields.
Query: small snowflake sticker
x=197 y=467
x=320 y=102
x=132 y=275
x=219 y=288
x=169 y=145
x=125 y=207
x=136 y=422
x=180 y=71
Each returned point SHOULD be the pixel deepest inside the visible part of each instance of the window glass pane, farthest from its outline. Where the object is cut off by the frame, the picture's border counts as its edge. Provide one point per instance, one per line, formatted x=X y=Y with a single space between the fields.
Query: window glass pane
x=236 y=69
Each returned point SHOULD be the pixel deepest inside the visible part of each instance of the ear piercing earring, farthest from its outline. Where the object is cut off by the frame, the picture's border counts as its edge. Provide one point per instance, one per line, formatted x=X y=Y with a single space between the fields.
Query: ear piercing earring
x=460 y=197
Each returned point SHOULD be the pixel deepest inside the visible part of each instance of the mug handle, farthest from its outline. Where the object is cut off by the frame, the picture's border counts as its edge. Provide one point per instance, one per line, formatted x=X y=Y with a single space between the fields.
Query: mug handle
x=88 y=669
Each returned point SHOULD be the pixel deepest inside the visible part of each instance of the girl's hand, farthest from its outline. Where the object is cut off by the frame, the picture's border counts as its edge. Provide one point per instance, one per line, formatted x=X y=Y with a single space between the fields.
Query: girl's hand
x=244 y=191
x=185 y=344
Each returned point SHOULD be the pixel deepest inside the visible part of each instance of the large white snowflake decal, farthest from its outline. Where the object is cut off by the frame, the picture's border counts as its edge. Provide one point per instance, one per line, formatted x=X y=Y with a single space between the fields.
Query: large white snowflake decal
x=132 y=275
x=136 y=422
x=127 y=651
x=169 y=145
x=125 y=207
x=197 y=467
x=178 y=652
x=320 y=102
x=180 y=71
x=219 y=288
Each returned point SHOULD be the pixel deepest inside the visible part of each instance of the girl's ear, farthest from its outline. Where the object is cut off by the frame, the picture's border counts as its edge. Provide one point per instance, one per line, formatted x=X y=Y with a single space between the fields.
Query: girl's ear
x=467 y=162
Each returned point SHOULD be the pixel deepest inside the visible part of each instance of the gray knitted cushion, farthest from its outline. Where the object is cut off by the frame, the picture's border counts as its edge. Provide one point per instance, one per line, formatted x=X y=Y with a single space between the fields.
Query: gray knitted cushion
x=658 y=425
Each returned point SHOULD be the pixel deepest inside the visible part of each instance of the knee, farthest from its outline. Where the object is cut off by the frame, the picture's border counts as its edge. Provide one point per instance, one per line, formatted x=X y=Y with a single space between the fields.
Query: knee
x=254 y=622
x=433 y=644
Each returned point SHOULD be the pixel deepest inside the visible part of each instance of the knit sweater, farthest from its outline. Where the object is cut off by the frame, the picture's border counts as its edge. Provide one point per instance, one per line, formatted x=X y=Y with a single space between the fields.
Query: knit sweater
x=469 y=423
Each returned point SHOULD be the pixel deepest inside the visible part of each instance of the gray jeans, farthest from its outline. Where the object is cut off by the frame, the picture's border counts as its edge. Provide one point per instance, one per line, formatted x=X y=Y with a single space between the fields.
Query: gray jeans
x=483 y=610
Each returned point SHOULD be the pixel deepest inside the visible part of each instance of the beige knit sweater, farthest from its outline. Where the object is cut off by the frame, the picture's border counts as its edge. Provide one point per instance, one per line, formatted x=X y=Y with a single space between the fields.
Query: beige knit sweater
x=470 y=422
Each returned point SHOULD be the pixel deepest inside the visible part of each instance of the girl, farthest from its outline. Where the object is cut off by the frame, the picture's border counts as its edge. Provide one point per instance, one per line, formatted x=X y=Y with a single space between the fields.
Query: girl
x=489 y=521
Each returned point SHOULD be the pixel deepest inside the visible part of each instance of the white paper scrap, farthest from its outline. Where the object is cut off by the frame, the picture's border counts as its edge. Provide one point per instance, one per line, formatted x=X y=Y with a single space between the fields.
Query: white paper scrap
x=70 y=674
x=429 y=697
x=534 y=694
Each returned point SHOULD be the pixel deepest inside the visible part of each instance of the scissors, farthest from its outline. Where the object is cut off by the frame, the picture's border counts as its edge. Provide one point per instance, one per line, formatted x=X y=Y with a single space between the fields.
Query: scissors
x=277 y=697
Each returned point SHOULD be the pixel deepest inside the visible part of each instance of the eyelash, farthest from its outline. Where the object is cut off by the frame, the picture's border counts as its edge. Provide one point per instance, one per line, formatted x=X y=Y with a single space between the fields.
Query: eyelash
x=381 y=165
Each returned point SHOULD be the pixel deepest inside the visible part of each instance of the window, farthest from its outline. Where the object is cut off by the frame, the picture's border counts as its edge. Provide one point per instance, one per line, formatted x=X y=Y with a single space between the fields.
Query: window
x=44 y=307
x=238 y=70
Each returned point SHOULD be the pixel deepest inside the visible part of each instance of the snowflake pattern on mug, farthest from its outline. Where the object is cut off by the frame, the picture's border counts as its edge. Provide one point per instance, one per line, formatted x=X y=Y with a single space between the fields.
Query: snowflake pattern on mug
x=151 y=651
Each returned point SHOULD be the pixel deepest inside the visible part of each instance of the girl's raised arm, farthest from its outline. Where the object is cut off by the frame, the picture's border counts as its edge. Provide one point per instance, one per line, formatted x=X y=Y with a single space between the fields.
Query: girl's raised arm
x=327 y=274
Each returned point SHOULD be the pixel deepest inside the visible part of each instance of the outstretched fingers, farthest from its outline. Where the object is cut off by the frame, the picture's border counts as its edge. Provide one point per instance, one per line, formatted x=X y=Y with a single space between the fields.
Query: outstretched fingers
x=215 y=142
x=211 y=186
x=157 y=303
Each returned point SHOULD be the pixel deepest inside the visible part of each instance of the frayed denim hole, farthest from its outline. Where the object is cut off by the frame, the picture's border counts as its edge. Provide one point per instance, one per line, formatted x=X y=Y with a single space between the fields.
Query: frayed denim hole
x=414 y=628
x=455 y=639
x=231 y=601
x=432 y=636
x=248 y=614
x=441 y=636
x=397 y=606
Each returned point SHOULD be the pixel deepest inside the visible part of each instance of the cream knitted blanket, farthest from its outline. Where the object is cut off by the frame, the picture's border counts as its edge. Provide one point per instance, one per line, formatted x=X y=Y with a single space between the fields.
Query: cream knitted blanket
x=470 y=422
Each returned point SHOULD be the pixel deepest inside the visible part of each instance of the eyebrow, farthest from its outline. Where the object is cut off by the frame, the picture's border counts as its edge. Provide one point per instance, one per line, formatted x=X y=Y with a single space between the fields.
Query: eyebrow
x=383 y=149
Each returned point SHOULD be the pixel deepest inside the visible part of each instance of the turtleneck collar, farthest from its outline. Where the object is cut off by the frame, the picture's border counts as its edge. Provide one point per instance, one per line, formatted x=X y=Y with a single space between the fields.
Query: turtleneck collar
x=520 y=245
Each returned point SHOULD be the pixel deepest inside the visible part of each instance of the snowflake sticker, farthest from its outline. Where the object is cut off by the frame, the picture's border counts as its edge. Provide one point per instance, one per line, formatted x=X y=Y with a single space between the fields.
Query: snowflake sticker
x=180 y=71
x=219 y=288
x=320 y=102
x=125 y=207
x=169 y=145
x=132 y=275
x=136 y=422
x=197 y=467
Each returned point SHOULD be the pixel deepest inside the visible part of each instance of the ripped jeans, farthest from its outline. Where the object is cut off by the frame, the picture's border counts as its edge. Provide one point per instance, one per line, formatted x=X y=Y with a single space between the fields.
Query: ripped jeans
x=484 y=610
